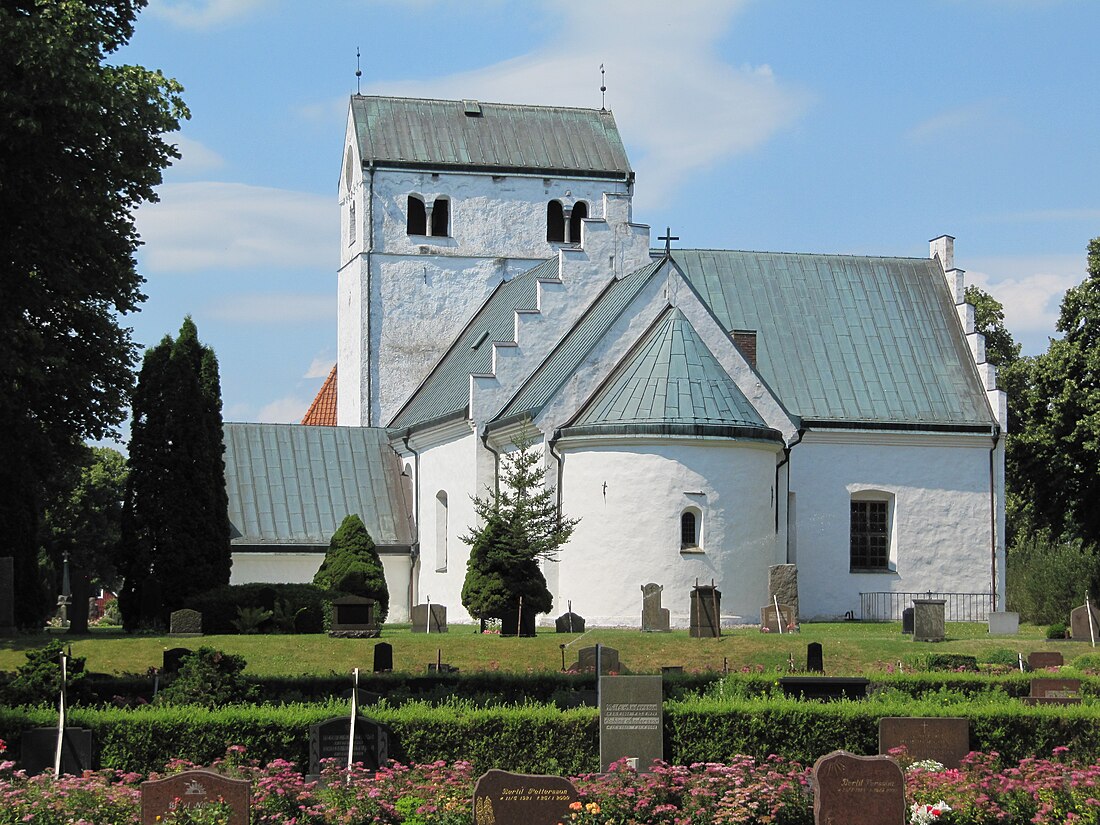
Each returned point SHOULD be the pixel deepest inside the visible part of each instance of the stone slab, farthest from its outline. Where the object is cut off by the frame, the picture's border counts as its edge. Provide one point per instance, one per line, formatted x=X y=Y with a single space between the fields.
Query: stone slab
x=929 y=620
x=783 y=585
x=815 y=658
x=655 y=619
x=858 y=790
x=503 y=798
x=907 y=622
x=193 y=789
x=631 y=720
x=420 y=618
x=1079 y=624
x=1056 y=688
x=945 y=739
x=383 y=657
x=185 y=622
x=770 y=619
x=1002 y=623
x=1041 y=659
x=39 y=749
x=329 y=740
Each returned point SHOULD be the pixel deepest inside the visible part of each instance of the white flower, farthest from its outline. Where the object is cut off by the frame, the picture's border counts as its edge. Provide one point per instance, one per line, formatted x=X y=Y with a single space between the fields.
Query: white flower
x=926 y=814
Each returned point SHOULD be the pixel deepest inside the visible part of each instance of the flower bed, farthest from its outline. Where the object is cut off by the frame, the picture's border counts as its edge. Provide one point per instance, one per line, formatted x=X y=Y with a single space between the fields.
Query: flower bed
x=774 y=790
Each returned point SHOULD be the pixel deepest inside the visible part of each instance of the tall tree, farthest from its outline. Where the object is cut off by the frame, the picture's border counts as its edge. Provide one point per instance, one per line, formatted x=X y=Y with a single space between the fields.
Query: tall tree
x=520 y=526
x=175 y=528
x=81 y=145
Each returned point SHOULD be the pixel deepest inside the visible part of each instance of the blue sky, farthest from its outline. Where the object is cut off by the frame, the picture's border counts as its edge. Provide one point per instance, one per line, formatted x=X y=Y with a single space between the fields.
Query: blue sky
x=785 y=125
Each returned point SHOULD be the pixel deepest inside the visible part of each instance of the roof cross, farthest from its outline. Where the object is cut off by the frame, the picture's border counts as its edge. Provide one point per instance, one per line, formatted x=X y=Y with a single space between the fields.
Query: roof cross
x=668 y=238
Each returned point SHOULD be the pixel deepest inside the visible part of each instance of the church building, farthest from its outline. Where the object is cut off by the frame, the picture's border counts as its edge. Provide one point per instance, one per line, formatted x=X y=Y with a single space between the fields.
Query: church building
x=706 y=414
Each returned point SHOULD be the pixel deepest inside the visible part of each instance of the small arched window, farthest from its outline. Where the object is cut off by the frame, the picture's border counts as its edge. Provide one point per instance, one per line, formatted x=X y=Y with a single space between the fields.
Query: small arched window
x=580 y=212
x=351 y=223
x=689 y=528
x=418 y=217
x=555 y=222
x=441 y=531
x=441 y=218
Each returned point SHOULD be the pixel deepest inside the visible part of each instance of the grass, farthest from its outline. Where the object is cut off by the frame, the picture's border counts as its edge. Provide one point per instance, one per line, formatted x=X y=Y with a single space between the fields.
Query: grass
x=850 y=648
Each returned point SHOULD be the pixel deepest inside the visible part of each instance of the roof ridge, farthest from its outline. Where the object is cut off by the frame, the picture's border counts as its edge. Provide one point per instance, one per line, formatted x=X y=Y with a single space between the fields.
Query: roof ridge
x=802 y=254
x=460 y=101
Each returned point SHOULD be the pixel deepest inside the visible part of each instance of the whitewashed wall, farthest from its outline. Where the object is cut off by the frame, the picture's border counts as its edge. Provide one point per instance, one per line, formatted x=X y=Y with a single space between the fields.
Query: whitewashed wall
x=941 y=515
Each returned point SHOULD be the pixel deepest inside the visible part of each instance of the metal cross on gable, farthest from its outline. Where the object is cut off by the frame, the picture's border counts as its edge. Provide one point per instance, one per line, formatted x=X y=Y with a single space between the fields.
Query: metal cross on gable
x=668 y=238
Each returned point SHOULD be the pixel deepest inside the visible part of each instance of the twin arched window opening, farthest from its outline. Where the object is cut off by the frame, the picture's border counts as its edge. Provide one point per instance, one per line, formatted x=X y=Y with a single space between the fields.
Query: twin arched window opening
x=421 y=217
x=565 y=226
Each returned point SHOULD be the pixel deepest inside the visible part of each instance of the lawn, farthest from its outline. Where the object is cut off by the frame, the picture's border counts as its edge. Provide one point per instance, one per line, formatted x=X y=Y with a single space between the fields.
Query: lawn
x=850 y=648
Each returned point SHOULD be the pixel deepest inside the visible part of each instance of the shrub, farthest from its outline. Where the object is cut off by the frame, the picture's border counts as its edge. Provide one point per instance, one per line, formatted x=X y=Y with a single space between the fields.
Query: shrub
x=298 y=608
x=209 y=678
x=1047 y=578
x=1057 y=631
x=39 y=680
x=352 y=565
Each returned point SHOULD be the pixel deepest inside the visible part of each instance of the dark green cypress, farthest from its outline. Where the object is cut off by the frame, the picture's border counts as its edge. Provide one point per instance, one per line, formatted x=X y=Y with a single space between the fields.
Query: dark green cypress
x=352 y=565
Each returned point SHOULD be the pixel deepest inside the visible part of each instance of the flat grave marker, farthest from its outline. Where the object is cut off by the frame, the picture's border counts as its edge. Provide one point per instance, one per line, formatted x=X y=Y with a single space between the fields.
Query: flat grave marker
x=503 y=798
x=858 y=790
x=945 y=739
x=193 y=789
x=631 y=720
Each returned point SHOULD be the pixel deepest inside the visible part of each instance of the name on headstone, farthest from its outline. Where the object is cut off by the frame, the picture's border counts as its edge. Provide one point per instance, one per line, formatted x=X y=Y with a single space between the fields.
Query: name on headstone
x=1042 y=658
x=329 y=740
x=185 y=622
x=787 y=618
x=858 y=790
x=503 y=798
x=945 y=739
x=631 y=720
x=193 y=789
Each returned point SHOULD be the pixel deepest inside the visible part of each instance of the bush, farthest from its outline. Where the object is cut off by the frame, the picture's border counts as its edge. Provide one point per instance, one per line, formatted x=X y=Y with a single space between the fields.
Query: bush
x=38 y=682
x=297 y=608
x=209 y=678
x=352 y=565
x=1048 y=578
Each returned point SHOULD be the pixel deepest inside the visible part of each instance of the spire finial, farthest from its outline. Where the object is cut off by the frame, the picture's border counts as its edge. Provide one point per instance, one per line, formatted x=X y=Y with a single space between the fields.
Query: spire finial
x=668 y=238
x=603 y=89
x=358 y=72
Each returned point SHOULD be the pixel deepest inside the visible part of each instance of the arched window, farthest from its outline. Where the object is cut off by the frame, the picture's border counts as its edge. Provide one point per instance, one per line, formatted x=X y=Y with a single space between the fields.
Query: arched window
x=441 y=218
x=418 y=217
x=689 y=528
x=441 y=531
x=580 y=212
x=351 y=223
x=555 y=222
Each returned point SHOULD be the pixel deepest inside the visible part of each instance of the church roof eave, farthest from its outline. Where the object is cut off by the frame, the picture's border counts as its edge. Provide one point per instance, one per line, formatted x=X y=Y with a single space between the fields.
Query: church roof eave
x=672 y=430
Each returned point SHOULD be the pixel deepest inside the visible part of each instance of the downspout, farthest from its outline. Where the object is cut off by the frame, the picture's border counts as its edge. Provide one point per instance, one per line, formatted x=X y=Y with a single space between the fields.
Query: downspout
x=786 y=460
x=371 y=355
x=993 y=515
x=496 y=462
x=416 y=517
x=560 y=461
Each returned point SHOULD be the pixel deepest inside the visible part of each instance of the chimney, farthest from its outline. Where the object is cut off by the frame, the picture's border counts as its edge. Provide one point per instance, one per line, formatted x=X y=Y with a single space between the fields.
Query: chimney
x=745 y=341
x=943 y=248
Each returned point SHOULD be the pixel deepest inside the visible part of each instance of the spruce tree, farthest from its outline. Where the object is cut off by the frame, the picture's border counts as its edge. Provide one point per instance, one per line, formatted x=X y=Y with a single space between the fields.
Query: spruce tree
x=352 y=565
x=175 y=533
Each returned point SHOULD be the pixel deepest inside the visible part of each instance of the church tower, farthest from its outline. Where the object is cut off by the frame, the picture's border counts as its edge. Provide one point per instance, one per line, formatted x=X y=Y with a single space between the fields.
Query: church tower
x=441 y=201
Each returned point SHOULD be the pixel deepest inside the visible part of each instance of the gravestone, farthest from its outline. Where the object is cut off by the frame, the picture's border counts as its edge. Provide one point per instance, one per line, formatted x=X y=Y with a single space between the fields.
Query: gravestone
x=329 y=740
x=1002 y=623
x=39 y=749
x=655 y=619
x=1056 y=689
x=1079 y=624
x=586 y=660
x=771 y=620
x=383 y=657
x=194 y=789
x=945 y=739
x=7 y=596
x=929 y=622
x=513 y=624
x=502 y=798
x=438 y=618
x=172 y=659
x=706 y=612
x=907 y=622
x=824 y=688
x=814 y=659
x=185 y=622
x=783 y=586
x=569 y=623
x=1042 y=659
x=631 y=720
x=858 y=790
x=355 y=617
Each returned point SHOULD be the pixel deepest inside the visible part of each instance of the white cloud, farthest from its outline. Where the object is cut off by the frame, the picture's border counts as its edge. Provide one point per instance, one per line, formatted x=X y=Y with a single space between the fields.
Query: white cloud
x=208 y=225
x=204 y=14
x=682 y=108
x=195 y=158
x=950 y=121
x=320 y=367
x=286 y=410
x=274 y=308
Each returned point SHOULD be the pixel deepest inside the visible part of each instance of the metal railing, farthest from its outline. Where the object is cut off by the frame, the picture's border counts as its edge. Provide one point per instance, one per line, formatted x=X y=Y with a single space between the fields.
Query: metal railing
x=959 y=607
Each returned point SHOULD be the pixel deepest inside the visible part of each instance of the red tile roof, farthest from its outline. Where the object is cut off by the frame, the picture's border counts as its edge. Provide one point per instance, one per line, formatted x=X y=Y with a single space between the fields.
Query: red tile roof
x=322 y=412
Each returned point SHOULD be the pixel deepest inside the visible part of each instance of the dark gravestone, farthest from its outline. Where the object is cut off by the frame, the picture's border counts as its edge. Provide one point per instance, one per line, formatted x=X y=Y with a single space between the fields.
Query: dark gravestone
x=814 y=659
x=502 y=798
x=944 y=739
x=355 y=617
x=655 y=619
x=194 y=789
x=929 y=622
x=383 y=657
x=569 y=623
x=1041 y=659
x=172 y=659
x=631 y=721
x=39 y=750
x=706 y=612
x=420 y=617
x=7 y=596
x=513 y=624
x=185 y=623
x=858 y=790
x=586 y=660
x=907 y=621
x=329 y=740
x=1079 y=628
x=825 y=688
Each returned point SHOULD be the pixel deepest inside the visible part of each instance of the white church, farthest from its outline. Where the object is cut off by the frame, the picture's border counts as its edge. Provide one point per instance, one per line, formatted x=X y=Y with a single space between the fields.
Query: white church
x=706 y=414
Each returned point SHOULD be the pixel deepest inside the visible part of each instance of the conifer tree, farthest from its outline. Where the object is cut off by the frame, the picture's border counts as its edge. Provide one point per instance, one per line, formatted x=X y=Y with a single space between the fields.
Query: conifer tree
x=175 y=532
x=352 y=565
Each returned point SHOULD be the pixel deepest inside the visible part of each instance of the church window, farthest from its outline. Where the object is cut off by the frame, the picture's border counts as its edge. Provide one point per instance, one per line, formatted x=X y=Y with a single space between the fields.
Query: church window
x=441 y=531
x=580 y=212
x=351 y=223
x=418 y=217
x=870 y=534
x=690 y=522
x=441 y=219
x=555 y=222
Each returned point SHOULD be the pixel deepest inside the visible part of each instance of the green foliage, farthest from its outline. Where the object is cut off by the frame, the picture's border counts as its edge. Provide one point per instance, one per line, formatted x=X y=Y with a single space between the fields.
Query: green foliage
x=1048 y=578
x=989 y=319
x=297 y=608
x=1057 y=630
x=249 y=619
x=83 y=142
x=951 y=661
x=175 y=520
x=209 y=678
x=352 y=565
x=520 y=526
x=38 y=682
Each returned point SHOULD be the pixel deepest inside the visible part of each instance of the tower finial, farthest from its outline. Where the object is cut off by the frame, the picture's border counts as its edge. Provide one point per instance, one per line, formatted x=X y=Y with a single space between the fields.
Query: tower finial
x=358 y=72
x=603 y=90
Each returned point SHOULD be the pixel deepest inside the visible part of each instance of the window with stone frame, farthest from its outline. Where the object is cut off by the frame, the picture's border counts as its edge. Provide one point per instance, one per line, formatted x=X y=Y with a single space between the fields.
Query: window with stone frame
x=417 y=220
x=870 y=535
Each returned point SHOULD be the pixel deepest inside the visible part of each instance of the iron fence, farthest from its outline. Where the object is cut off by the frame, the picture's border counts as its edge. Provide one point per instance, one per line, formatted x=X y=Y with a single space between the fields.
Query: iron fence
x=959 y=607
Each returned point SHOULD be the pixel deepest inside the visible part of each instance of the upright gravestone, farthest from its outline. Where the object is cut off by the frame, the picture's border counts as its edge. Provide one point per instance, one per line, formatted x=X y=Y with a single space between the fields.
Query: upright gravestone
x=907 y=622
x=513 y=623
x=194 y=789
x=706 y=612
x=172 y=659
x=783 y=585
x=1061 y=691
x=502 y=798
x=784 y=620
x=569 y=623
x=631 y=721
x=814 y=659
x=185 y=622
x=39 y=751
x=7 y=596
x=429 y=621
x=858 y=790
x=329 y=740
x=945 y=739
x=383 y=657
x=1044 y=658
x=929 y=624
x=1079 y=628
x=355 y=617
x=655 y=619
x=586 y=660
x=1002 y=623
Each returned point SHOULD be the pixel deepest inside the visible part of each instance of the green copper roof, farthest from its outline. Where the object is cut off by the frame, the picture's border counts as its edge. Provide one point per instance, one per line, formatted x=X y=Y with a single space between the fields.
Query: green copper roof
x=847 y=339
x=290 y=484
x=671 y=378
x=415 y=133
